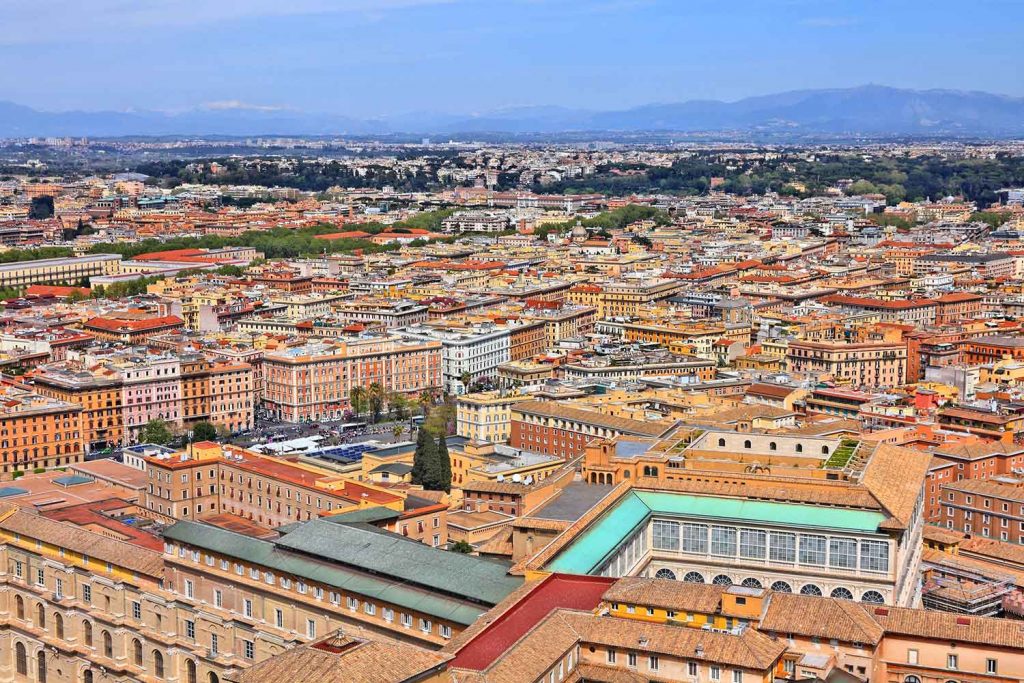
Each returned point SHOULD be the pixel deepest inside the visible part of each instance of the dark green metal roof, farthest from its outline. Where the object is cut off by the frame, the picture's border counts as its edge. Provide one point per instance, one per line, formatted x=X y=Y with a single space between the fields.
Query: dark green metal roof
x=377 y=565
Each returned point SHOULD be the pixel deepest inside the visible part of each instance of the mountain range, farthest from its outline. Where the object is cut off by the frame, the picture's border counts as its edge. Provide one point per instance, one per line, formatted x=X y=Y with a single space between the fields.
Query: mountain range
x=862 y=111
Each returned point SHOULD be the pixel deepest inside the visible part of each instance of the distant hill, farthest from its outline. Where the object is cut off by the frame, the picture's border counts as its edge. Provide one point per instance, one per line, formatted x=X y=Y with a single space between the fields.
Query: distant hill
x=866 y=110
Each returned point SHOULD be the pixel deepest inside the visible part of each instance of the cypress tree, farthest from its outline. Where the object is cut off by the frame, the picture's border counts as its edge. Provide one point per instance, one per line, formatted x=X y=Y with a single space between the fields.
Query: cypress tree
x=442 y=480
x=422 y=457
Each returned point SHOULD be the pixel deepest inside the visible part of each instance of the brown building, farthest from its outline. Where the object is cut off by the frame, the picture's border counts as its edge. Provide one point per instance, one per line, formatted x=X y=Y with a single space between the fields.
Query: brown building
x=38 y=431
x=990 y=508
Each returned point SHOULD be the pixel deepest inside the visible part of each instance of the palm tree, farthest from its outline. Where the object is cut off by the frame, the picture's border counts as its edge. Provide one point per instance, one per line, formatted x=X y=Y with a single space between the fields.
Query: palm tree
x=357 y=397
x=375 y=397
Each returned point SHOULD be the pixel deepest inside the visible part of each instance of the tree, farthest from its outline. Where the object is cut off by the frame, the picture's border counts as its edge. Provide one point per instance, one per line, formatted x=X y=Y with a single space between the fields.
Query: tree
x=398 y=430
x=441 y=475
x=461 y=547
x=41 y=207
x=156 y=431
x=375 y=397
x=357 y=398
x=204 y=431
x=398 y=404
x=425 y=453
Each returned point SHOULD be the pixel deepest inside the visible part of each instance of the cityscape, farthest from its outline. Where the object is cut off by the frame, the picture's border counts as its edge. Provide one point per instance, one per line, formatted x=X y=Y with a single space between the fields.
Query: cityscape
x=724 y=389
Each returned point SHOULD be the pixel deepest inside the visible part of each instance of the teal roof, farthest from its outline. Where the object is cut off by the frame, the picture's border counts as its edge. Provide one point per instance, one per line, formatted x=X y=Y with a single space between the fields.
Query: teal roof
x=392 y=570
x=588 y=551
x=72 y=480
x=12 y=491
x=766 y=512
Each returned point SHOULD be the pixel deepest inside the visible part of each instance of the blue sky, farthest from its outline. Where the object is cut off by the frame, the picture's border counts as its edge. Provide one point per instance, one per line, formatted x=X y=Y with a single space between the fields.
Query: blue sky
x=380 y=57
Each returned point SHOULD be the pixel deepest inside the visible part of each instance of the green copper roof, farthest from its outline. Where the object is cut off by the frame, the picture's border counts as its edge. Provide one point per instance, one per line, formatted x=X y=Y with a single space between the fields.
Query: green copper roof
x=374 y=564
x=588 y=551
x=783 y=514
x=590 y=548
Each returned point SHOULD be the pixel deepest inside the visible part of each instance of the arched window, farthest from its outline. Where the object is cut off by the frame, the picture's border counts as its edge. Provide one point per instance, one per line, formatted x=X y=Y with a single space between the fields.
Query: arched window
x=158 y=664
x=746 y=444
x=872 y=596
x=721 y=443
x=842 y=593
x=911 y=679
x=693 y=577
x=190 y=671
x=625 y=474
x=41 y=666
x=20 y=659
x=665 y=574
x=19 y=607
x=810 y=589
x=40 y=616
x=772 y=446
x=799 y=448
x=137 y=652
x=824 y=450
x=782 y=587
x=87 y=633
x=108 y=645
x=722 y=580
x=87 y=676
x=212 y=678
x=58 y=626
x=751 y=583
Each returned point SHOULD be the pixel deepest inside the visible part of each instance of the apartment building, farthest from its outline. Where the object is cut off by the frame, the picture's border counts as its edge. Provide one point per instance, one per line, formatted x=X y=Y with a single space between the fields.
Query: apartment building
x=313 y=381
x=872 y=364
x=486 y=417
x=990 y=508
x=627 y=297
x=556 y=429
x=97 y=389
x=470 y=352
x=38 y=431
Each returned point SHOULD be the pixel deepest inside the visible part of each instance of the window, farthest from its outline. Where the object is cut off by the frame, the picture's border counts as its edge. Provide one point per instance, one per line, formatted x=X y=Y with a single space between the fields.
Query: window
x=951 y=661
x=911 y=679
x=737 y=676
x=389 y=614
x=695 y=538
x=693 y=577
x=136 y=610
x=631 y=659
x=108 y=645
x=20 y=659
x=753 y=543
x=716 y=673
x=58 y=625
x=723 y=541
x=912 y=656
x=218 y=598
x=248 y=649
x=190 y=629
x=991 y=666
x=426 y=626
x=874 y=556
x=214 y=644
x=652 y=663
x=406 y=620
x=810 y=589
x=40 y=577
x=842 y=553
x=872 y=597
x=665 y=535
x=87 y=633
x=611 y=656
x=190 y=589
x=691 y=669
x=812 y=549
x=247 y=608
x=278 y=618
x=158 y=664
x=665 y=574
x=310 y=628
x=782 y=546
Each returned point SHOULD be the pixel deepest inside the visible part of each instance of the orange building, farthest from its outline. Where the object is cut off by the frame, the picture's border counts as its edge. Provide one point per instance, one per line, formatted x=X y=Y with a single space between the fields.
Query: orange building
x=38 y=431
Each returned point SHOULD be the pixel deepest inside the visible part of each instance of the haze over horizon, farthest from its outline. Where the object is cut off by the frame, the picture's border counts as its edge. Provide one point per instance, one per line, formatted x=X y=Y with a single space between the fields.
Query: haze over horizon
x=381 y=58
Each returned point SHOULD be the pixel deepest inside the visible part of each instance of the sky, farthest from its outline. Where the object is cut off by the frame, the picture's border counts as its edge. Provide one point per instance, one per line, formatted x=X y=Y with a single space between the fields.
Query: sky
x=370 y=58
